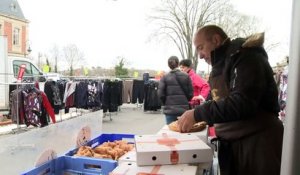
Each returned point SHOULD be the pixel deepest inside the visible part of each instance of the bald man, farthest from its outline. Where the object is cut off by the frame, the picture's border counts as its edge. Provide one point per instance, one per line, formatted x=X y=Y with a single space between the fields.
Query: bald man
x=243 y=106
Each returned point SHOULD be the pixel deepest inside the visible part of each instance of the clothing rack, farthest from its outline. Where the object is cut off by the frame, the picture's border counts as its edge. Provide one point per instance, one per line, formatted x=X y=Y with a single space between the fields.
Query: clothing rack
x=85 y=79
x=108 y=114
x=19 y=128
x=97 y=79
x=88 y=77
x=130 y=78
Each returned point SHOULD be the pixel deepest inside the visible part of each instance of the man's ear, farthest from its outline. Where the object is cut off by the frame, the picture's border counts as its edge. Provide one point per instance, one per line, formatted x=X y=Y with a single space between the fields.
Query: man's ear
x=216 y=39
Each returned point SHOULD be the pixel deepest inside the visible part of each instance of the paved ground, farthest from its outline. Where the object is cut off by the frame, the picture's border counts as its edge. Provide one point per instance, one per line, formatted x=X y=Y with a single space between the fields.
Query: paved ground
x=19 y=151
x=134 y=120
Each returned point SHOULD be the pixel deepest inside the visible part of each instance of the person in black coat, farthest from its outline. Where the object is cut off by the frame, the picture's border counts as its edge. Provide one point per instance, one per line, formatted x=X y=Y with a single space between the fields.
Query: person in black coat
x=175 y=90
x=244 y=106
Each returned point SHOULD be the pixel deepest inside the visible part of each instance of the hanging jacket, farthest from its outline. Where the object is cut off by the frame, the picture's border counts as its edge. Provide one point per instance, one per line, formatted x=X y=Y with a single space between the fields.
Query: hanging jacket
x=51 y=89
x=48 y=107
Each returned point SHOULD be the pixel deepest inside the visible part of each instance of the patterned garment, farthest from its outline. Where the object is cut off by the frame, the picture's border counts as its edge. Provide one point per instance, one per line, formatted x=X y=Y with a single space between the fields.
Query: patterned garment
x=56 y=94
x=283 y=93
x=32 y=108
x=92 y=92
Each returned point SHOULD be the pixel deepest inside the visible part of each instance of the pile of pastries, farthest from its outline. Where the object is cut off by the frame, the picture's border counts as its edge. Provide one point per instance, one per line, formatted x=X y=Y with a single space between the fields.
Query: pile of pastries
x=107 y=150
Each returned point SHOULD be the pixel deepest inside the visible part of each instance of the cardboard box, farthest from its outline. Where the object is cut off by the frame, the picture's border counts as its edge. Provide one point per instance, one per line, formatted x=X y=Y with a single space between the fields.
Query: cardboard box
x=132 y=168
x=128 y=157
x=202 y=134
x=167 y=149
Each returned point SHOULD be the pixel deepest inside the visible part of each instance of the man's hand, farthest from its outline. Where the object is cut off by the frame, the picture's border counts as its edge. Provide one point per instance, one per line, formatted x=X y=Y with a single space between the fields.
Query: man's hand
x=199 y=97
x=186 y=121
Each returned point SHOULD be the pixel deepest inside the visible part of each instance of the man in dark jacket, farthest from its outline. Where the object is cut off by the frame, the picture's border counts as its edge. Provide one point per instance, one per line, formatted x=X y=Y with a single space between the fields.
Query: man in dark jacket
x=244 y=106
x=175 y=90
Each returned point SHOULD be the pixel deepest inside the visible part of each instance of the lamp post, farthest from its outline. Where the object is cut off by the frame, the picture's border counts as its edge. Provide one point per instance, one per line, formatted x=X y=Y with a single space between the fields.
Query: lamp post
x=28 y=50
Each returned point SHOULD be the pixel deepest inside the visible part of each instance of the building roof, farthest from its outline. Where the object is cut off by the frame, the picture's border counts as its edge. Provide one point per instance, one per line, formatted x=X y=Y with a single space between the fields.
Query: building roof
x=11 y=8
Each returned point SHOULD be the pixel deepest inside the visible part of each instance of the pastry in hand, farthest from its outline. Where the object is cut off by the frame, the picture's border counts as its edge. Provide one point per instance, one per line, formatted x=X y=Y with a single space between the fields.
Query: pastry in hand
x=196 y=128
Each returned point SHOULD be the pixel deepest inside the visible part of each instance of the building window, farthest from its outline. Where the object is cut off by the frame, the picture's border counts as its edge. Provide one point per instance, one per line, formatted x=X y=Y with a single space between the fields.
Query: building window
x=13 y=7
x=16 y=36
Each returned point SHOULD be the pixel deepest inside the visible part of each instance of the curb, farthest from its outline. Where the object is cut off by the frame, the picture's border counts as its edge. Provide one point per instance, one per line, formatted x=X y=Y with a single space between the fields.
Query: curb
x=7 y=122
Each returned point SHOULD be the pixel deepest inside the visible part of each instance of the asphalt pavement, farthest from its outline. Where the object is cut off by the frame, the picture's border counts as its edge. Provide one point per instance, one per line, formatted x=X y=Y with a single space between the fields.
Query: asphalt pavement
x=133 y=120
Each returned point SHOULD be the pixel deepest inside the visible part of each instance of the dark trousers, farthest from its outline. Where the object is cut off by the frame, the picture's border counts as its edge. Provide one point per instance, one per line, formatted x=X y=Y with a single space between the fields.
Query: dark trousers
x=138 y=91
x=111 y=96
x=152 y=101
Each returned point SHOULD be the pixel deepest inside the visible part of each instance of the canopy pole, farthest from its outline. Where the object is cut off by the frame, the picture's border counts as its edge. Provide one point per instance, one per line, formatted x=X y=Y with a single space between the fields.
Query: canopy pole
x=291 y=141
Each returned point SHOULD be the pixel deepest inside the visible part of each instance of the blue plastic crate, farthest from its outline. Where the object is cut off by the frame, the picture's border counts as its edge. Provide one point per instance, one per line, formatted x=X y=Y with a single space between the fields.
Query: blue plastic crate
x=104 y=138
x=74 y=166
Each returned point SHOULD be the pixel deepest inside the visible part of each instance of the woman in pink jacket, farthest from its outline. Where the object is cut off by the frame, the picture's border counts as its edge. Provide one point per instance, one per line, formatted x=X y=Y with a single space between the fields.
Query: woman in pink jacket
x=200 y=86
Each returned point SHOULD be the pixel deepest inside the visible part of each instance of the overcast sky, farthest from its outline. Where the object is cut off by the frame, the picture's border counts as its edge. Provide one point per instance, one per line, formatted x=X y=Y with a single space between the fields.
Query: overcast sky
x=106 y=29
x=276 y=23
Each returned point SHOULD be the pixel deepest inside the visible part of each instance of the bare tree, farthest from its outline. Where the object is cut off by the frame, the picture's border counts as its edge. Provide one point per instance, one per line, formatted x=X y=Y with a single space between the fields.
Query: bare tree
x=55 y=53
x=39 y=61
x=178 y=20
x=236 y=24
x=73 y=56
x=271 y=46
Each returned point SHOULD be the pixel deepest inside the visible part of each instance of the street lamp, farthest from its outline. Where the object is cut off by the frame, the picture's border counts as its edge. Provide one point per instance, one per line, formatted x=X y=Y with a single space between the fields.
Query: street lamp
x=28 y=51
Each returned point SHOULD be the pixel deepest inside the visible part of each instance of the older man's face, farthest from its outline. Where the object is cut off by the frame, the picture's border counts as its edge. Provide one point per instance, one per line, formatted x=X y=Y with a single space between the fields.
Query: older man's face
x=204 y=47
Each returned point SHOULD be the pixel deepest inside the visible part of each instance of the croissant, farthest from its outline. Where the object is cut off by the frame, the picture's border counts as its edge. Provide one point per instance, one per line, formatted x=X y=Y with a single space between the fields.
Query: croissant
x=110 y=150
x=102 y=149
x=85 y=151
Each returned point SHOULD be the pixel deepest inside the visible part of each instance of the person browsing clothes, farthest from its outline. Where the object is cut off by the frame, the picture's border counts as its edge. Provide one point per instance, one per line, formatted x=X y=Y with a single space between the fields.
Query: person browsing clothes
x=175 y=91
